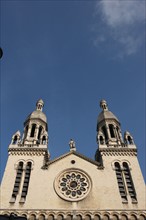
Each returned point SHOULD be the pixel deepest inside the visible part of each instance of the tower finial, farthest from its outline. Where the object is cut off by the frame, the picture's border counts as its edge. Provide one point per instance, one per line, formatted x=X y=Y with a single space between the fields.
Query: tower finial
x=39 y=105
x=103 y=105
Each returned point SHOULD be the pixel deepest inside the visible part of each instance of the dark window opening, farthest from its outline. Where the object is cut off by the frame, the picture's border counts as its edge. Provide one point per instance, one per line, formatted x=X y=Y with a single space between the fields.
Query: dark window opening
x=44 y=140
x=129 y=182
x=25 y=132
x=112 y=133
x=101 y=140
x=39 y=133
x=26 y=182
x=129 y=140
x=120 y=181
x=17 y=182
x=105 y=132
x=15 y=139
x=33 y=130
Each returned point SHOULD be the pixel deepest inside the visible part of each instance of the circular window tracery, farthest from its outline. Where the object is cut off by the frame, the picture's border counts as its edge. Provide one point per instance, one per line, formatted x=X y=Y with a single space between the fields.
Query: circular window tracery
x=72 y=185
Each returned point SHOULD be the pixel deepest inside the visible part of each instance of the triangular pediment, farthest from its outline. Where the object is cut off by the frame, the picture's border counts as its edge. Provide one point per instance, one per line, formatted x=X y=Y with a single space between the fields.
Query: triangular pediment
x=83 y=157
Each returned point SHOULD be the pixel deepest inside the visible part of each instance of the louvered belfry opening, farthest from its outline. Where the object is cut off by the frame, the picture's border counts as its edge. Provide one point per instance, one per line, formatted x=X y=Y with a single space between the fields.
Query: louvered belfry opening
x=120 y=181
x=129 y=182
x=17 y=182
x=26 y=182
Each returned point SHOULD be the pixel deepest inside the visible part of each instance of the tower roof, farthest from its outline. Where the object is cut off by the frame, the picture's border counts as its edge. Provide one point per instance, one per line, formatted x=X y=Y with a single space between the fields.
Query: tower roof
x=105 y=114
x=38 y=114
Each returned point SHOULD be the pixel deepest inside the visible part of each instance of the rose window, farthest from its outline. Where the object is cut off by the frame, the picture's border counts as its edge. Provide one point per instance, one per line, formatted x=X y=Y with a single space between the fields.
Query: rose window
x=72 y=185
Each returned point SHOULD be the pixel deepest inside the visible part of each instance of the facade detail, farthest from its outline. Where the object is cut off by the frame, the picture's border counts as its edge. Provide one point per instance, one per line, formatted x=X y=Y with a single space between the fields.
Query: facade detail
x=73 y=186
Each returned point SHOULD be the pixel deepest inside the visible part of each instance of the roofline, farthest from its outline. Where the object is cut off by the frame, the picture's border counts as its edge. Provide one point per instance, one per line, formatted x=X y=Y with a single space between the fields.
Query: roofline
x=77 y=154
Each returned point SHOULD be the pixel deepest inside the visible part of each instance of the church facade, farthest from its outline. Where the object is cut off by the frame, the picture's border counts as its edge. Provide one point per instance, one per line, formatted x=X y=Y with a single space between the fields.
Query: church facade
x=73 y=186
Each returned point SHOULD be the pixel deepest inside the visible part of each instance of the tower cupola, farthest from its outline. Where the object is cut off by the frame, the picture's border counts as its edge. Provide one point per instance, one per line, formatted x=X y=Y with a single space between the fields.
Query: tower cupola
x=108 y=127
x=35 y=126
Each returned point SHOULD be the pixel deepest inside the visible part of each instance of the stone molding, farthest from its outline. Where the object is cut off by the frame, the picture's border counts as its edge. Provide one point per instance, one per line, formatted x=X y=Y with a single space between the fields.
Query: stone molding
x=74 y=213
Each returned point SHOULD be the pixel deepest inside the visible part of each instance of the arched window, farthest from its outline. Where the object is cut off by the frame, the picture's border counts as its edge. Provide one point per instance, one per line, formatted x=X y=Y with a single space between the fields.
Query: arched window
x=44 y=140
x=129 y=181
x=106 y=217
x=79 y=217
x=26 y=182
x=32 y=217
x=142 y=217
x=124 y=217
x=25 y=132
x=105 y=132
x=15 y=139
x=101 y=139
x=97 y=217
x=120 y=181
x=60 y=217
x=69 y=217
x=112 y=133
x=118 y=133
x=115 y=217
x=51 y=217
x=41 y=217
x=133 y=217
x=17 y=182
x=87 y=217
x=33 y=130
x=39 y=133
x=130 y=141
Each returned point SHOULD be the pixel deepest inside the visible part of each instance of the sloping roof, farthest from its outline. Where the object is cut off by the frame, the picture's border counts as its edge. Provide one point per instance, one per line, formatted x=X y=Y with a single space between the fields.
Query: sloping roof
x=74 y=153
x=106 y=115
x=37 y=115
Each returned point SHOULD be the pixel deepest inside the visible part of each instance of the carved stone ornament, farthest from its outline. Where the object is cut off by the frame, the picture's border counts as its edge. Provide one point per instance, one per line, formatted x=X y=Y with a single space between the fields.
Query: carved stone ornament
x=72 y=185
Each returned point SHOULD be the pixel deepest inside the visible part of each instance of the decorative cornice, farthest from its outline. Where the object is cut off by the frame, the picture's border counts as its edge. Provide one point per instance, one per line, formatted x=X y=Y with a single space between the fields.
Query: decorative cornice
x=118 y=152
x=27 y=151
x=83 y=212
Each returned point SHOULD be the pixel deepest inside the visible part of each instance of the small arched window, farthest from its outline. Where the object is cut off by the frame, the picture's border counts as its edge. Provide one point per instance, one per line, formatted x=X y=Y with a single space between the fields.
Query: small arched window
x=106 y=217
x=124 y=217
x=87 y=217
x=105 y=132
x=33 y=130
x=142 y=217
x=129 y=181
x=25 y=132
x=133 y=217
x=15 y=140
x=120 y=181
x=17 y=182
x=32 y=217
x=69 y=217
x=44 y=140
x=51 y=217
x=97 y=217
x=101 y=140
x=115 y=217
x=111 y=128
x=41 y=217
x=130 y=141
x=79 y=217
x=60 y=217
x=39 y=133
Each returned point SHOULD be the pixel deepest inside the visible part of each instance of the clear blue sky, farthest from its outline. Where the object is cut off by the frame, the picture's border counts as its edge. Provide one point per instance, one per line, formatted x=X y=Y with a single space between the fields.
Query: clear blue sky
x=72 y=54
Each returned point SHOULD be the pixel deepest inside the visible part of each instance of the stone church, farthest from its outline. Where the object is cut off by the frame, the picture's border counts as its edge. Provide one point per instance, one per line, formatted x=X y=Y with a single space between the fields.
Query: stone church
x=73 y=186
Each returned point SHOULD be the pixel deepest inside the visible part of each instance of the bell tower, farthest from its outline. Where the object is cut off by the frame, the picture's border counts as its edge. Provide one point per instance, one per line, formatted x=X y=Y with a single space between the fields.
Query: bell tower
x=27 y=155
x=118 y=154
